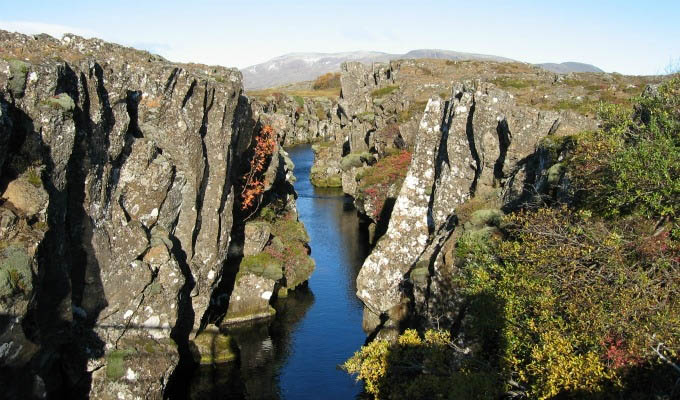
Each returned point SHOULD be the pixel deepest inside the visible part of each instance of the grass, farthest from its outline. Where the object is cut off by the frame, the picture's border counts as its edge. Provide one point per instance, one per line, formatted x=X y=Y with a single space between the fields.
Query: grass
x=299 y=100
x=33 y=177
x=415 y=108
x=515 y=83
x=331 y=93
x=383 y=91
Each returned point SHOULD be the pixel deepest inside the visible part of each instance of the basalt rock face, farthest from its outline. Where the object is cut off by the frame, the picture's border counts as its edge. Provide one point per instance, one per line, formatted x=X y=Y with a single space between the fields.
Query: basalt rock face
x=477 y=143
x=300 y=120
x=118 y=187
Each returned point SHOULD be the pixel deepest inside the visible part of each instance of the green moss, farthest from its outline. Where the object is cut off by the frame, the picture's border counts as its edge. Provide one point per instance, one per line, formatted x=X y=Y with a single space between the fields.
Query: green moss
x=33 y=177
x=268 y=213
x=491 y=217
x=290 y=229
x=19 y=72
x=367 y=116
x=61 y=101
x=15 y=271
x=352 y=160
x=384 y=91
x=115 y=363
x=318 y=146
x=214 y=348
x=299 y=100
x=261 y=264
x=301 y=122
x=555 y=173
x=415 y=108
x=333 y=181
x=321 y=113
x=248 y=314
x=420 y=275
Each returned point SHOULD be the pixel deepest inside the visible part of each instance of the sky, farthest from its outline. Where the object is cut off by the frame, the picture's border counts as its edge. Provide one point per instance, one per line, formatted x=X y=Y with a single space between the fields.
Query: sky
x=629 y=37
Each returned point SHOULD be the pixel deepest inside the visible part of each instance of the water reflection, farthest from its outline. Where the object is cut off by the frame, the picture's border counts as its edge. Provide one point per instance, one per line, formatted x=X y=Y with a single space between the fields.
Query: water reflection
x=295 y=356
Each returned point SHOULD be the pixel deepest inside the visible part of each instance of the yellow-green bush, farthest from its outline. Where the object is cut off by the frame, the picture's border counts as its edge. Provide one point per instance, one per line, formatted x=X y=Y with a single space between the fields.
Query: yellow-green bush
x=415 y=367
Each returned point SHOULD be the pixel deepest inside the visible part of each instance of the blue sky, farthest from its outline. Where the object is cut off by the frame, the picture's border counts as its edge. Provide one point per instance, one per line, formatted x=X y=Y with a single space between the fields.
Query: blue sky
x=632 y=37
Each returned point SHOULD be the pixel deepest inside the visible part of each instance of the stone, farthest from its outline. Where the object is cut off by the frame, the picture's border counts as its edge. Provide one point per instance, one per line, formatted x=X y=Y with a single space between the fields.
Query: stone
x=381 y=275
x=250 y=299
x=257 y=235
x=213 y=347
x=8 y=221
x=25 y=197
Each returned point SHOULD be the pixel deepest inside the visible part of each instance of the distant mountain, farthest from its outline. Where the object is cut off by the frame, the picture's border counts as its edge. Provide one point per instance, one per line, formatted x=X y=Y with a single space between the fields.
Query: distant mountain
x=297 y=67
x=452 y=55
x=567 y=67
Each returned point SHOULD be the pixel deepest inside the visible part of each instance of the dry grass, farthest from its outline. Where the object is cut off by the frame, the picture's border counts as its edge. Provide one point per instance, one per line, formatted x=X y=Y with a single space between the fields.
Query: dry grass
x=330 y=93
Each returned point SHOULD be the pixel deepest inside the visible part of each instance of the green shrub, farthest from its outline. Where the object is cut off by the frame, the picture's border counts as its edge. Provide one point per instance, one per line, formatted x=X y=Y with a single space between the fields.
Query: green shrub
x=633 y=164
x=583 y=302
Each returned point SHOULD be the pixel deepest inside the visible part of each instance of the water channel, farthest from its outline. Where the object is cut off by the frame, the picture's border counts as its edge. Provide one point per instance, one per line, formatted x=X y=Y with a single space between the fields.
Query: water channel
x=296 y=356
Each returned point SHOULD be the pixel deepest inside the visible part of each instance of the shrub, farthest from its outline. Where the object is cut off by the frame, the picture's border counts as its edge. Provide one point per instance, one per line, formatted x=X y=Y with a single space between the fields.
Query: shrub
x=418 y=367
x=582 y=305
x=253 y=185
x=633 y=164
x=330 y=80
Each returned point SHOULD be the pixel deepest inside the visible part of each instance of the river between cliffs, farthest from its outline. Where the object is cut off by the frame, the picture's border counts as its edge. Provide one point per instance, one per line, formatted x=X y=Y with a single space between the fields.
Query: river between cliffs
x=295 y=356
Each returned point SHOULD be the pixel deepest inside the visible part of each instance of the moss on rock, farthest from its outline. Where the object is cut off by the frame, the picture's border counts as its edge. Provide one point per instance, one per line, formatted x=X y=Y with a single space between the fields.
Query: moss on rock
x=15 y=271
x=18 y=73
x=61 y=101
x=213 y=347
x=261 y=264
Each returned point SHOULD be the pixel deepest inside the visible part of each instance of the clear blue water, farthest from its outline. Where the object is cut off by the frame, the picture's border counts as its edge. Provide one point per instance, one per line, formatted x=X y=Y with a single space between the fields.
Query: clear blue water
x=330 y=332
x=296 y=355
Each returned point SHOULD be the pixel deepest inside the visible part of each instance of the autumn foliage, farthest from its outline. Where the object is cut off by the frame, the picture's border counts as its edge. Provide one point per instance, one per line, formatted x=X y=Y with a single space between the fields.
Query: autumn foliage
x=327 y=81
x=253 y=186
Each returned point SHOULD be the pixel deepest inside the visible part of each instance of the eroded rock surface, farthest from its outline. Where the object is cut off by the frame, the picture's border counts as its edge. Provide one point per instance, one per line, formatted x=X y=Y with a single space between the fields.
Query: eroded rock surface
x=474 y=143
x=119 y=173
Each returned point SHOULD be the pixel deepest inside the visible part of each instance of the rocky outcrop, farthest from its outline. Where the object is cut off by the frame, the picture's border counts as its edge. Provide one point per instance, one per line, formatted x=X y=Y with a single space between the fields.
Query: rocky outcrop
x=476 y=144
x=118 y=181
x=300 y=119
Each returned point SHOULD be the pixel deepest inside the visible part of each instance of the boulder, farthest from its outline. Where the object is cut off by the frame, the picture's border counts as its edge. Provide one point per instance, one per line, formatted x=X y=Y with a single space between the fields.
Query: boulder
x=26 y=197
x=257 y=235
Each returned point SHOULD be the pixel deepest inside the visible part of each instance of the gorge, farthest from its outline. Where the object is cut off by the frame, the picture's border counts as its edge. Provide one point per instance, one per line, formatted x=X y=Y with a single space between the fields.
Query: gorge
x=164 y=234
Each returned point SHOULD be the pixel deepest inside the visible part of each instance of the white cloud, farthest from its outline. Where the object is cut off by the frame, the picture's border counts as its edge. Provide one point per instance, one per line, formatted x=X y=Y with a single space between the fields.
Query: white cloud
x=55 y=30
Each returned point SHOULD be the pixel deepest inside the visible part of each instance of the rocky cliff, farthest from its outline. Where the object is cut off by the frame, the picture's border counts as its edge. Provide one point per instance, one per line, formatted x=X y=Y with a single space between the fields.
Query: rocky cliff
x=120 y=175
x=476 y=142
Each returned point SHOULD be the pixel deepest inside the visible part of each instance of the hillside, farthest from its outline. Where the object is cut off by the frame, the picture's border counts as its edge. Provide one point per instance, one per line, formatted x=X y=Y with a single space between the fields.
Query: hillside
x=296 y=67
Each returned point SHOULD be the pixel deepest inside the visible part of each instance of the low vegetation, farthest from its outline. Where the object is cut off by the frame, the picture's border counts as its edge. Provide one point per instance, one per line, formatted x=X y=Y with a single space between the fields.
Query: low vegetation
x=384 y=91
x=576 y=300
x=375 y=182
x=330 y=80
